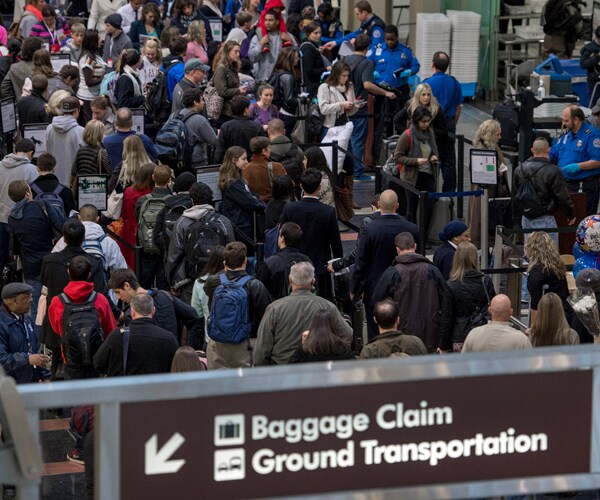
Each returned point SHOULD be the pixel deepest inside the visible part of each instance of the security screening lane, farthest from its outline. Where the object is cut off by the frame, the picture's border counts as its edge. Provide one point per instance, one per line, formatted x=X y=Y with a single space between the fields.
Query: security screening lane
x=467 y=426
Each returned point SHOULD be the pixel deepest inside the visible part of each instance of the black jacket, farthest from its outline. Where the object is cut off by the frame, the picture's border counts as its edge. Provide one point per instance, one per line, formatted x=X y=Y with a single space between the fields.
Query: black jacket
x=549 y=184
x=48 y=183
x=151 y=350
x=285 y=91
x=589 y=60
x=275 y=271
x=171 y=314
x=161 y=236
x=258 y=296
x=320 y=233
x=54 y=276
x=239 y=205
x=442 y=258
x=349 y=259
x=31 y=110
x=125 y=93
x=461 y=301
x=377 y=251
x=237 y=132
x=313 y=67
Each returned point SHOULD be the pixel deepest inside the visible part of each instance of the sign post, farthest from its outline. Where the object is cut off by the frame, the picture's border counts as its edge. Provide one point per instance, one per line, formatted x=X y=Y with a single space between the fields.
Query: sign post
x=484 y=171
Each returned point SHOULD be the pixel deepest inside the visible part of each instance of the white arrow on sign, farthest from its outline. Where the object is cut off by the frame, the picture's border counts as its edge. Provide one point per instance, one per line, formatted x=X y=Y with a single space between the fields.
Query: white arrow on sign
x=157 y=461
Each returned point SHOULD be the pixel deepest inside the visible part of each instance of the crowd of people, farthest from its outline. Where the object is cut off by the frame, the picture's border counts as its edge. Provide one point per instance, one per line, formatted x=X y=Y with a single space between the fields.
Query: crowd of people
x=166 y=276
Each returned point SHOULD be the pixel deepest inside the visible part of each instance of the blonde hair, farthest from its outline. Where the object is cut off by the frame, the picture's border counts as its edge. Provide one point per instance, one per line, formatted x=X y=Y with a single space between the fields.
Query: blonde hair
x=93 y=133
x=53 y=106
x=465 y=259
x=77 y=29
x=197 y=32
x=486 y=134
x=550 y=326
x=229 y=173
x=134 y=158
x=433 y=106
x=541 y=250
x=153 y=44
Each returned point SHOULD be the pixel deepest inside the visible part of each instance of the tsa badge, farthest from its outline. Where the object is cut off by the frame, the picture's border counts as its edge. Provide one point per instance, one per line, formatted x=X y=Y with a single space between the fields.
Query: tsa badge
x=579 y=143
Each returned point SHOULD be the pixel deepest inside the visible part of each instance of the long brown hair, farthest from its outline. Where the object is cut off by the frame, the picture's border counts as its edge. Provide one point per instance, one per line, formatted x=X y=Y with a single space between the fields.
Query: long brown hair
x=465 y=259
x=322 y=339
x=336 y=72
x=550 y=326
x=229 y=173
x=225 y=60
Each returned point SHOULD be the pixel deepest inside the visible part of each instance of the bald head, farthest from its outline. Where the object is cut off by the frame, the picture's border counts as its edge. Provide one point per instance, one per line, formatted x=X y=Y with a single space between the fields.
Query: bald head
x=500 y=308
x=388 y=202
x=540 y=148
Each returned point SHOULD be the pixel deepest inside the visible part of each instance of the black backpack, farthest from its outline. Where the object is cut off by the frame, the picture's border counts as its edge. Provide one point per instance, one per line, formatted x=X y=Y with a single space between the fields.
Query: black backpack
x=527 y=200
x=289 y=260
x=82 y=332
x=507 y=114
x=172 y=215
x=158 y=104
x=290 y=162
x=202 y=236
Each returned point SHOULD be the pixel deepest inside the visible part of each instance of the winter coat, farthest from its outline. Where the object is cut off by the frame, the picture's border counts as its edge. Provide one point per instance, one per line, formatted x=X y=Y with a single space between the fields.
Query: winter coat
x=274 y=271
x=160 y=235
x=128 y=91
x=329 y=103
x=237 y=132
x=201 y=135
x=285 y=95
x=31 y=110
x=313 y=67
x=408 y=152
x=239 y=205
x=463 y=299
x=443 y=257
x=100 y=10
x=256 y=174
x=12 y=85
x=227 y=84
x=14 y=167
x=63 y=138
x=86 y=163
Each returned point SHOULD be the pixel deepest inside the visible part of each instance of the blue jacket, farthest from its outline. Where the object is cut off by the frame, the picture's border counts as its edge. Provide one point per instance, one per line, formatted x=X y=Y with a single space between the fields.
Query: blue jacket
x=18 y=339
x=113 y=144
x=577 y=148
x=447 y=91
x=387 y=61
x=373 y=27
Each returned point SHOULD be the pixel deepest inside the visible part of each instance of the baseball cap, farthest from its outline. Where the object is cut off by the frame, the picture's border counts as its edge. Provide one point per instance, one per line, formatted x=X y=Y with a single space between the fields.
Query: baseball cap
x=69 y=105
x=193 y=64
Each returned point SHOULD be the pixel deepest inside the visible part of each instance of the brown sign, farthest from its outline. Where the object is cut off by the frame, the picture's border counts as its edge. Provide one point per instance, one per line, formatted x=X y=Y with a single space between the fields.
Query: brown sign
x=358 y=437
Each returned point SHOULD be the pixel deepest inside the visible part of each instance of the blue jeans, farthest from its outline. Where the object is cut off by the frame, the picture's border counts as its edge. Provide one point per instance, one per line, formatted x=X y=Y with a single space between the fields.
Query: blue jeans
x=37 y=291
x=357 y=142
x=537 y=223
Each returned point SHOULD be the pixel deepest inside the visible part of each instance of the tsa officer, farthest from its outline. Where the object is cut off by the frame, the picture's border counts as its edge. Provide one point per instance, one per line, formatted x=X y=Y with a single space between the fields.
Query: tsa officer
x=577 y=153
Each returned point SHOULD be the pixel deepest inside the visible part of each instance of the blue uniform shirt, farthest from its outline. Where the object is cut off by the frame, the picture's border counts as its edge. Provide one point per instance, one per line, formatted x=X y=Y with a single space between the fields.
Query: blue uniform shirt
x=577 y=148
x=447 y=91
x=387 y=61
x=373 y=27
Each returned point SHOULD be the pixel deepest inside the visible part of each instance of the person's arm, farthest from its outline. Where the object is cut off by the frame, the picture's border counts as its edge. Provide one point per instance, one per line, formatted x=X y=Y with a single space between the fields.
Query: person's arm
x=68 y=200
x=588 y=59
x=7 y=87
x=255 y=52
x=265 y=339
x=187 y=315
x=102 y=356
x=326 y=105
x=360 y=263
x=402 y=150
x=415 y=66
x=12 y=361
x=457 y=114
x=558 y=190
x=90 y=79
x=385 y=285
x=377 y=90
x=207 y=134
x=150 y=147
x=176 y=254
x=339 y=41
x=134 y=35
x=55 y=314
x=93 y=19
x=244 y=199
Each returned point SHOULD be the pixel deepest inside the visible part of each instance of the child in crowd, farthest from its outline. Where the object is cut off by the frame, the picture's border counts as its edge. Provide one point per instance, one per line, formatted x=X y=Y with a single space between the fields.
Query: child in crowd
x=151 y=61
x=72 y=45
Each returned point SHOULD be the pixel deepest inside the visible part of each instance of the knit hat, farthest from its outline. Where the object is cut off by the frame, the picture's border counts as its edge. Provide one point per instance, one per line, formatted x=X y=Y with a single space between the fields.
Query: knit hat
x=590 y=278
x=452 y=230
x=184 y=182
x=115 y=20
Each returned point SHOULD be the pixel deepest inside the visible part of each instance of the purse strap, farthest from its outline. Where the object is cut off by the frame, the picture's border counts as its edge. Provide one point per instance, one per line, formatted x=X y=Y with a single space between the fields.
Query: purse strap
x=485 y=289
x=99 y=161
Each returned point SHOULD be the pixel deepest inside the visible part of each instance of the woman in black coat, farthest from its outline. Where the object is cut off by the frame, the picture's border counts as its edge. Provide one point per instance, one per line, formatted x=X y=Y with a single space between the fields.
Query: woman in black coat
x=128 y=90
x=285 y=86
x=453 y=234
x=313 y=65
x=469 y=296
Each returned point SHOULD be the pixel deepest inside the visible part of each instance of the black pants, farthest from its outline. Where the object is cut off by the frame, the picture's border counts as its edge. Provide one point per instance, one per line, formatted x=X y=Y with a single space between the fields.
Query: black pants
x=153 y=267
x=425 y=182
x=592 y=191
x=447 y=152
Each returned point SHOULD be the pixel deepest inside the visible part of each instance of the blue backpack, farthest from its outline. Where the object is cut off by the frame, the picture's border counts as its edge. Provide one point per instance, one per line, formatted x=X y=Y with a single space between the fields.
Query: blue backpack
x=271 y=238
x=53 y=198
x=229 y=318
x=108 y=86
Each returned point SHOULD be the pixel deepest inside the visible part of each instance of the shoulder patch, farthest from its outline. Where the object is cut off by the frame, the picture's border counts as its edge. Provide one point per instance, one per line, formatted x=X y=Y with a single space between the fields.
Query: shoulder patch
x=597 y=143
x=377 y=33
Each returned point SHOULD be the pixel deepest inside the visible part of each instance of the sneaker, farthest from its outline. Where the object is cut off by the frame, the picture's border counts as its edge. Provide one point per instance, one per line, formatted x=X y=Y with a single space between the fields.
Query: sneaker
x=266 y=49
x=363 y=178
x=76 y=456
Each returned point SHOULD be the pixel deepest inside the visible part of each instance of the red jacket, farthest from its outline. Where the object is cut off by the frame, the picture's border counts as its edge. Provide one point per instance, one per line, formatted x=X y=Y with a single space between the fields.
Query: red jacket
x=78 y=292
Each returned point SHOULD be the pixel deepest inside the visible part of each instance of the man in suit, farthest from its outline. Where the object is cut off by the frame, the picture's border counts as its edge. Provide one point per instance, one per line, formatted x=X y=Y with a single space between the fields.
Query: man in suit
x=376 y=252
x=320 y=232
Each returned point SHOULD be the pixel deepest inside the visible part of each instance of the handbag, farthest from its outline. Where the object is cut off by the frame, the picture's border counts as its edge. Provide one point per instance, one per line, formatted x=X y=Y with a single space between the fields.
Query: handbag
x=114 y=204
x=479 y=315
x=314 y=118
x=343 y=203
x=213 y=101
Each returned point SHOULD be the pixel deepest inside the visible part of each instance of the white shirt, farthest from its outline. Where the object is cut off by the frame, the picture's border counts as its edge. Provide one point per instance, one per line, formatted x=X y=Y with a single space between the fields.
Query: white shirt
x=129 y=17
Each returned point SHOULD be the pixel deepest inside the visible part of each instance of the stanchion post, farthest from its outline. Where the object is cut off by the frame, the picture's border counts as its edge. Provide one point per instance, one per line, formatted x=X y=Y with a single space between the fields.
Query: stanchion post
x=497 y=257
x=334 y=158
x=485 y=200
x=423 y=199
x=138 y=261
x=513 y=286
x=378 y=179
x=460 y=165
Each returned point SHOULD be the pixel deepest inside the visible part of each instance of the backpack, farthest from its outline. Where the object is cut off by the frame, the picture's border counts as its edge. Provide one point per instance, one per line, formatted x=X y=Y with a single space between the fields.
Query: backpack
x=172 y=215
x=53 y=199
x=149 y=211
x=173 y=142
x=202 y=236
x=158 y=104
x=94 y=248
x=527 y=200
x=15 y=28
x=229 y=318
x=108 y=86
x=82 y=333
x=213 y=102
x=289 y=260
x=290 y=162
x=271 y=238
x=391 y=167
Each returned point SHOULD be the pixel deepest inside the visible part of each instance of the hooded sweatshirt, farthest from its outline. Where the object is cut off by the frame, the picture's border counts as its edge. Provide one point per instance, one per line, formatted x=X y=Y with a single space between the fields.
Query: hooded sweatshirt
x=14 y=167
x=112 y=253
x=63 y=138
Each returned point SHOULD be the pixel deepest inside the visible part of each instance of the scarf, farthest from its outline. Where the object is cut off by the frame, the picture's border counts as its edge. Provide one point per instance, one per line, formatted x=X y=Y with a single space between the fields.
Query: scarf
x=213 y=7
x=128 y=70
x=33 y=10
x=419 y=137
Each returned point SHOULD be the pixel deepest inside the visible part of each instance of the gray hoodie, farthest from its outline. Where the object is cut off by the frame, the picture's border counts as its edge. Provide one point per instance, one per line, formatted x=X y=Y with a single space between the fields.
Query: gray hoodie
x=14 y=167
x=63 y=138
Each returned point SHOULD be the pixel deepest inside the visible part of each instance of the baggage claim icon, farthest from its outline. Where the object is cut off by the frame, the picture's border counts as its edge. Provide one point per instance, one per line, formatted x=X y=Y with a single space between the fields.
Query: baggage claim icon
x=229 y=464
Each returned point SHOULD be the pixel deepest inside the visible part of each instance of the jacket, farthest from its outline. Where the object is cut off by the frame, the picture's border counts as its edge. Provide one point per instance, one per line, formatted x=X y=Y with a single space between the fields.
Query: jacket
x=227 y=84
x=275 y=271
x=258 y=297
x=177 y=101
x=12 y=85
x=151 y=350
x=15 y=335
x=418 y=287
x=408 y=152
x=201 y=135
x=114 y=146
x=350 y=258
x=55 y=278
x=461 y=301
x=113 y=46
x=128 y=93
x=237 y=132
x=239 y=206
x=86 y=163
x=264 y=62
x=112 y=253
x=548 y=182
x=280 y=331
x=442 y=258
x=388 y=343
x=31 y=225
x=286 y=91
x=589 y=59
x=176 y=269
x=48 y=183
x=320 y=232
x=256 y=174
x=31 y=110
x=99 y=11
x=14 y=167
x=63 y=138
x=289 y=155
x=60 y=27
x=182 y=23
x=139 y=28
x=329 y=103
x=312 y=66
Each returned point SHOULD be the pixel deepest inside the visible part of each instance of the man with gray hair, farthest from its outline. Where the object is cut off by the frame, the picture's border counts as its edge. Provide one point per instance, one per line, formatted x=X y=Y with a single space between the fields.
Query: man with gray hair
x=148 y=348
x=497 y=335
x=280 y=331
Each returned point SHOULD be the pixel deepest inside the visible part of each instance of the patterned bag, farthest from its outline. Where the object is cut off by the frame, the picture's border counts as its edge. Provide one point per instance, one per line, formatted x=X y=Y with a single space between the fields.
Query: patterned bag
x=213 y=101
